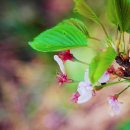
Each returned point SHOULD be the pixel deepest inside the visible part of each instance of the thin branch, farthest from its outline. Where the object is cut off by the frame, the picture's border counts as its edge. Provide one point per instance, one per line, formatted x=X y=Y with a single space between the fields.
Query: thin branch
x=94 y=38
x=123 y=77
x=108 y=84
x=123 y=90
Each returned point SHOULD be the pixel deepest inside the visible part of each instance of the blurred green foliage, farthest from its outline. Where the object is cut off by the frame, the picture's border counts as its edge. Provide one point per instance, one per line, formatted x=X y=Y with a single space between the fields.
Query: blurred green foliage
x=125 y=125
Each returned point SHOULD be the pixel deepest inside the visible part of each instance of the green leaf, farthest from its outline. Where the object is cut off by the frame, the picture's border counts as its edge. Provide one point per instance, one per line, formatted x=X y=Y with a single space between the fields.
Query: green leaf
x=119 y=11
x=128 y=31
x=112 y=12
x=79 y=24
x=101 y=63
x=83 y=9
x=123 y=13
x=61 y=37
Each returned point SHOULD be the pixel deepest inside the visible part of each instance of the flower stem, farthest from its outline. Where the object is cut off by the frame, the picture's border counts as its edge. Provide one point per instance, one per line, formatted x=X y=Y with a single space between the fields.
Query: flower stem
x=118 y=44
x=82 y=62
x=129 y=40
x=128 y=79
x=109 y=84
x=124 y=46
x=116 y=36
x=123 y=90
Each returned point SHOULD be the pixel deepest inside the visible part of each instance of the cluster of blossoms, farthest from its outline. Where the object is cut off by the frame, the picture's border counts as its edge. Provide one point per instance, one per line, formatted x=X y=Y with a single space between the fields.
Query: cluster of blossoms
x=85 y=89
x=72 y=33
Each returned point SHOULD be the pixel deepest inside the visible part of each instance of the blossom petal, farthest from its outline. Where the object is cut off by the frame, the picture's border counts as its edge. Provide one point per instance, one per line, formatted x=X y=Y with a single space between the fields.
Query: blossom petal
x=86 y=78
x=82 y=84
x=104 y=78
x=60 y=63
x=85 y=94
x=114 y=104
x=116 y=109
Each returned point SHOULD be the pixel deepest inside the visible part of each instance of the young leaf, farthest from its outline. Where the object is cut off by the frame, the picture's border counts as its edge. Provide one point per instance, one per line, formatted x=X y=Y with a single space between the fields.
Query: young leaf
x=83 y=9
x=119 y=11
x=79 y=24
x=101 y=63
x=112 y=12
x=61 y=37
x=123 y=13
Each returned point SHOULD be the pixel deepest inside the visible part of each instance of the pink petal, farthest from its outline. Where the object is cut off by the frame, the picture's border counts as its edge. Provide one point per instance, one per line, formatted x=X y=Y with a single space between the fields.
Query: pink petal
x=82 y=84
x=85 y=94
x=114 y=104
x=116 y=109
x=86 y=78
x=60 y=63
x=104 y=78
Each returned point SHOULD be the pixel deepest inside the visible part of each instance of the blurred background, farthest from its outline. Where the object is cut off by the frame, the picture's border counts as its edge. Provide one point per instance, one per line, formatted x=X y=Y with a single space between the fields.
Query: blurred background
x=30 y=98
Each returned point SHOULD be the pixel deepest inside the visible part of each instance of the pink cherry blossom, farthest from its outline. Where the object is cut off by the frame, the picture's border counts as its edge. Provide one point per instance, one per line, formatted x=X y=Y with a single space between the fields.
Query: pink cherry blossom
x=85 y=87
x=114 y=104
x=85 y=93
x=61 y=77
